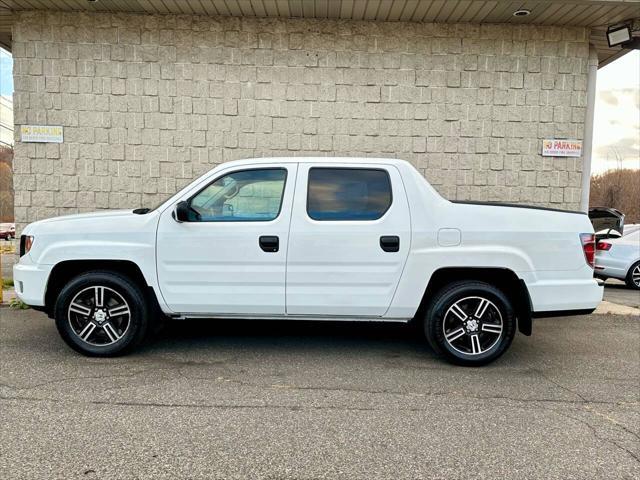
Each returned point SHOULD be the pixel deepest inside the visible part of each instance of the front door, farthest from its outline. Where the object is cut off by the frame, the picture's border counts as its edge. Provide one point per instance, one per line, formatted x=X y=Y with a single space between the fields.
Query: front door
x=230 y=257
x=349 y=240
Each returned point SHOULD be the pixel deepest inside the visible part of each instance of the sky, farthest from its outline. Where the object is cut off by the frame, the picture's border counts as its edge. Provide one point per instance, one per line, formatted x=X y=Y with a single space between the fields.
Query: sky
x=616 y=132
x=6 y=77
x=616 y=136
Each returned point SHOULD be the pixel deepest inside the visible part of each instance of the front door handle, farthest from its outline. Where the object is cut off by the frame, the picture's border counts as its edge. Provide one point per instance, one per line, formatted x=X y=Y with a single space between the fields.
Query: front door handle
x=390 y=243
x=269 y=243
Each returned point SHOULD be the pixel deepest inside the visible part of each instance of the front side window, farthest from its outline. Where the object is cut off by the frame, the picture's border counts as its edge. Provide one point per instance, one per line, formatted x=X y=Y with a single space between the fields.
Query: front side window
x=348 y=193
x=244 y=196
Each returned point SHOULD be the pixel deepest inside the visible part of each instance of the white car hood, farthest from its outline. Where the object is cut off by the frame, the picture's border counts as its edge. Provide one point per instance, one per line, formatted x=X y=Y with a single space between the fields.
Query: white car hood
x=32 y=227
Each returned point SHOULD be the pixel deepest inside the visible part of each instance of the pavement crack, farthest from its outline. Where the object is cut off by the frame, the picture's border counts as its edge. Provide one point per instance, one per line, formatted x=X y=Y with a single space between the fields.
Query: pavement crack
x=614 y=421
x=562 y=387
x=192 y=405
x=301 y=407
x=599 y=437
x=579 y=401
x=84 y=377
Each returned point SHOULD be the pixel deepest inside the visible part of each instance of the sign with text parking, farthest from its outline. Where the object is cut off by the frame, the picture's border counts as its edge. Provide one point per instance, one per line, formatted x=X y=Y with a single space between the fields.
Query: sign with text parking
x=41 y=133
x=561 y=148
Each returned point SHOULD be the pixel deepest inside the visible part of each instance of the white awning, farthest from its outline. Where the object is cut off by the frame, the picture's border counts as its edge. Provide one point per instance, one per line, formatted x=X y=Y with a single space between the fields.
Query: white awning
x=586 y=13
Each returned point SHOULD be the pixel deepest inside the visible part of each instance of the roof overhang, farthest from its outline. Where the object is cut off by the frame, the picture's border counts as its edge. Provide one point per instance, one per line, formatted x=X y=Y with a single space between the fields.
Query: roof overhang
x=596 y=15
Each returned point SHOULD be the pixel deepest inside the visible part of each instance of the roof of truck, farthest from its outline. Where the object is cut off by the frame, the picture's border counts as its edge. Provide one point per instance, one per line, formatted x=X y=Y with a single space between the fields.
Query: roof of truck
x=363 y=160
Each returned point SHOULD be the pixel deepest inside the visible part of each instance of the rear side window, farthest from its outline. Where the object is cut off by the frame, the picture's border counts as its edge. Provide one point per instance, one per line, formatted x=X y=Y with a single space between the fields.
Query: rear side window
x=348 y=193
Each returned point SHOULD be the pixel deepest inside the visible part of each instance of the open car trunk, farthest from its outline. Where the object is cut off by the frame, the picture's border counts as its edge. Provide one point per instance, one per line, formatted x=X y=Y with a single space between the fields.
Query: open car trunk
x=605 y=219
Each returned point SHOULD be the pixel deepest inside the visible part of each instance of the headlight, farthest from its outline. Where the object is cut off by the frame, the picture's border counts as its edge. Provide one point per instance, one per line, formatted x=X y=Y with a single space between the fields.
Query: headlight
x=26 y=242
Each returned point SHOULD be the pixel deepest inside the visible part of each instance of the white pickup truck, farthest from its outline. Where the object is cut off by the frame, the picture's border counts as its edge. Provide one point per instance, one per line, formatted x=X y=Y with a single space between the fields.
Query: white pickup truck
x=315 y=239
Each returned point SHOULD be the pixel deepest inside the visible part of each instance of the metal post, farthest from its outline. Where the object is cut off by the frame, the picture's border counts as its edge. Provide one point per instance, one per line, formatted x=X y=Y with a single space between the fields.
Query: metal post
x=592 y=72
x=1 y=279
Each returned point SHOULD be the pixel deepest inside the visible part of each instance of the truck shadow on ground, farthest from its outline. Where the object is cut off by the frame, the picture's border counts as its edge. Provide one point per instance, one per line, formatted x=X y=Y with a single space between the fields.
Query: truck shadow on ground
x=620 y=286
x=290 y=336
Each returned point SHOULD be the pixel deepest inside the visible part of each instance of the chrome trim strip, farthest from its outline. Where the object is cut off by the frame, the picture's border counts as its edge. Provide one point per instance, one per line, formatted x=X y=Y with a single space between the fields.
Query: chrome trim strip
x=319 y=318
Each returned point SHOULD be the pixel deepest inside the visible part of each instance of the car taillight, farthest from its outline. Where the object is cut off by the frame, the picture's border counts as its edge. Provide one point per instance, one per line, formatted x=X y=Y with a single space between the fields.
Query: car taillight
x=589 y=247
x=603 y=246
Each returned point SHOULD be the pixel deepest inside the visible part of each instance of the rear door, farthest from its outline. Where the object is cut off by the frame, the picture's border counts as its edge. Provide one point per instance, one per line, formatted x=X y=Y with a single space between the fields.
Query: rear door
x=349 y=240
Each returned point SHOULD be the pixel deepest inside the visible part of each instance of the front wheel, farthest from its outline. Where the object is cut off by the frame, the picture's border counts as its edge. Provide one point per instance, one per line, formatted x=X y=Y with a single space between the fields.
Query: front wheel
x=470 y=323
x=633 y=276
x=101 y=314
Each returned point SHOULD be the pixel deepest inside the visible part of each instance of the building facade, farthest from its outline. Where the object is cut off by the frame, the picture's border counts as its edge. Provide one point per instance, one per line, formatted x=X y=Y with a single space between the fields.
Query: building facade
x=149 y=102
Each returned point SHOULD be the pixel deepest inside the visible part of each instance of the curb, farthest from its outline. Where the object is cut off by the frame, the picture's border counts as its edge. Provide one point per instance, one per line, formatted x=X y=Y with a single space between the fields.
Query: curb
x=609 y=308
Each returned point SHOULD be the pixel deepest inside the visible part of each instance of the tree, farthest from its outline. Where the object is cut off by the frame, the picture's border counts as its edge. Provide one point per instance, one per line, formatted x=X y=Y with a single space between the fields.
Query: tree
x=6 y=184
x=619 y=189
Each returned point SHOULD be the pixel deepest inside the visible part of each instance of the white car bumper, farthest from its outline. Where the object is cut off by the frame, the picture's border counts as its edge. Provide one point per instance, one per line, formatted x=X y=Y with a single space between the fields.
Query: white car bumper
x=610 y=266
x=30 y=281
x=563 y=295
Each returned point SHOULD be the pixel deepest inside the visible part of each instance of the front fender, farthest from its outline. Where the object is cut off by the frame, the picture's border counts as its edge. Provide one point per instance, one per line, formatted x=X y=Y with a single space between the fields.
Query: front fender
x=140 y=251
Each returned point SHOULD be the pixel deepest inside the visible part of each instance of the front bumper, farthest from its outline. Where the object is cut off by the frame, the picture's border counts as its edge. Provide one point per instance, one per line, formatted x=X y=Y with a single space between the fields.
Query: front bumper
x=30 y=282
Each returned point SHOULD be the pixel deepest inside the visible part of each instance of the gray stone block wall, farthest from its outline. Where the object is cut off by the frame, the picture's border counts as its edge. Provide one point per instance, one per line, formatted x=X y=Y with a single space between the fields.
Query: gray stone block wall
x=150 y=102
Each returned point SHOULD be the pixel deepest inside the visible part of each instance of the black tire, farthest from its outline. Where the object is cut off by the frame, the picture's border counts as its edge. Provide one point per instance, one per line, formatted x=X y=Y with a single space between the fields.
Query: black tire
x=629 y=280
x=118 y=288
x=463 y=349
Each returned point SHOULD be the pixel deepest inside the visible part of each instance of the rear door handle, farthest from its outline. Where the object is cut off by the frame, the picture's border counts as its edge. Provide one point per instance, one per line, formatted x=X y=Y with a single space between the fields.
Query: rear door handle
x=269 y=243
x=390 y=243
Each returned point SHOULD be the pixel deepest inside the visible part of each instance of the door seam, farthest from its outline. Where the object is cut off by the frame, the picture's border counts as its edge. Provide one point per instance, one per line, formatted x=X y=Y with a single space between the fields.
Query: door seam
x=286 y=257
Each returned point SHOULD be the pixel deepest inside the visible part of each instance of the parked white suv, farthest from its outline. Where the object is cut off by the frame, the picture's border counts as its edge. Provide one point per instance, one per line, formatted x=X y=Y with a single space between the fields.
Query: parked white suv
x=311 y=238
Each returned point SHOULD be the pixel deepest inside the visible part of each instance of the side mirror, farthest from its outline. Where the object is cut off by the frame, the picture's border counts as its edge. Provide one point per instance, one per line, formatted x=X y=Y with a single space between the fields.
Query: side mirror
x=181 y=213
x=613 y=233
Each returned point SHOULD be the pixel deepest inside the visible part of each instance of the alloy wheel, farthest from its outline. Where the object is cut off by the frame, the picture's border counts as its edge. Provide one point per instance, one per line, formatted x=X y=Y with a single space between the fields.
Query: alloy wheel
x=99 y=316
x=635 y=276
x=472 y=325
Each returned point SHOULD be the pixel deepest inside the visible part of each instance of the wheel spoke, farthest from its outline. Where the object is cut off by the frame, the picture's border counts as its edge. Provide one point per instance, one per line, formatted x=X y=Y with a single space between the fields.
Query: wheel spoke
x=475 y=344
x=111 y=332
x=482 y=307
x=458 y=312
x=119 y=310
x=81 y=309
x=451 y=336
x=492 y=328
x=87 y=331
x=99 y=296
x=99 y=315
x=482 y=336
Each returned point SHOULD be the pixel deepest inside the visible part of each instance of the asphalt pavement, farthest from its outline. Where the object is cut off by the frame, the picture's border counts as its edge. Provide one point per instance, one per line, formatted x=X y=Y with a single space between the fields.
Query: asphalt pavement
x=241 y=399
x=615 y=291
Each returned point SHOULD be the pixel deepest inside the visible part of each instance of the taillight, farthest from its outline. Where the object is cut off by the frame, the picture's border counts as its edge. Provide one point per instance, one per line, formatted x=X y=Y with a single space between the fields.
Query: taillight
x=589 y=247
x=603 y=246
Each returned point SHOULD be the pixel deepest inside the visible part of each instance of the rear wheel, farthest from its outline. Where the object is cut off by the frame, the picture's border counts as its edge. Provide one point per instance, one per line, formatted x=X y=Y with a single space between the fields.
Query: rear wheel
x=101 y=314
x=633 y=276
x=470 y=323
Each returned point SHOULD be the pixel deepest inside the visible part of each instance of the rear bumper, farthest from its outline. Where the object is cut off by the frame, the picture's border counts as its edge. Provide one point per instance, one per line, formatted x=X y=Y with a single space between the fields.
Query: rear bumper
x=565 y=296
x=30 y=282
x=611 y=267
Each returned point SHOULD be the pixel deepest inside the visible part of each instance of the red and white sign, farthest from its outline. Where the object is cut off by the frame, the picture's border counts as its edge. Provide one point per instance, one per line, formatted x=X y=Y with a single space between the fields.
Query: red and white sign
x=561 y=148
